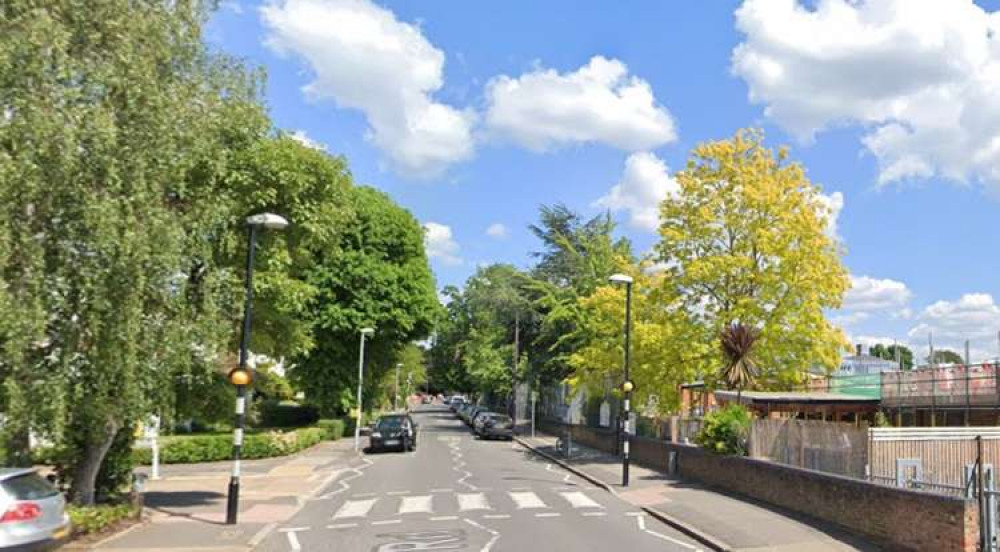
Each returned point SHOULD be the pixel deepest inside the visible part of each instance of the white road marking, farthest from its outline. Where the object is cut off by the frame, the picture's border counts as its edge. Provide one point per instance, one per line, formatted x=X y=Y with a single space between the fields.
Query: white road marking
x=344 y=485
x=387 y=522
x=594 y=514
x=527 y=500
x=580 y=500
x=492 y=541
x=444 y=518
x=472 y=501
x=548 y=515
x=355 y=508
x=635 y=514
x=496 y=516
x=342 y=526
x=397 y=493
x=442 y=490
x=415 y=504
x=293 y=539
x=642 y=527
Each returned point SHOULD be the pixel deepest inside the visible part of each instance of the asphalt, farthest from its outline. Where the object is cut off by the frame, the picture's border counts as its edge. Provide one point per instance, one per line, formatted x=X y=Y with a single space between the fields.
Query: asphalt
x=458 y=493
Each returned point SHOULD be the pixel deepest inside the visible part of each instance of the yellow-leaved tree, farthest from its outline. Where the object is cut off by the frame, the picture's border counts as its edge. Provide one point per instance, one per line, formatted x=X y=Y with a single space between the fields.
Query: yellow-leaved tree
x=657 y=346
x=747 y=247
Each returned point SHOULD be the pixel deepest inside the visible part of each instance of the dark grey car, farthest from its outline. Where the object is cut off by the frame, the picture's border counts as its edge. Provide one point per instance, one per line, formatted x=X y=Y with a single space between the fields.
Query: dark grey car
x=32 y=512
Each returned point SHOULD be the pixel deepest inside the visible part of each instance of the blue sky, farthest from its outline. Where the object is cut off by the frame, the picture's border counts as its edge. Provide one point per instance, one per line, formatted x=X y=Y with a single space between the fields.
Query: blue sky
x=471 y=115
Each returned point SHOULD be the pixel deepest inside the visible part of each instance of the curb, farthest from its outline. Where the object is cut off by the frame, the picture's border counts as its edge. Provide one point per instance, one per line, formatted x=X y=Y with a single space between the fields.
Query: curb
x=709 y=541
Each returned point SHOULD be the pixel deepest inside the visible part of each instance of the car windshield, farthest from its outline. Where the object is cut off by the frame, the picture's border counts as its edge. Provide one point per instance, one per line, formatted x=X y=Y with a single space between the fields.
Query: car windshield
x=390 y=423
x=29 y=486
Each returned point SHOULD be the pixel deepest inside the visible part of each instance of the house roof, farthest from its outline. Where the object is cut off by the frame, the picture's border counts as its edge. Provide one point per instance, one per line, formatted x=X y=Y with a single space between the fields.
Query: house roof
x=797 y=397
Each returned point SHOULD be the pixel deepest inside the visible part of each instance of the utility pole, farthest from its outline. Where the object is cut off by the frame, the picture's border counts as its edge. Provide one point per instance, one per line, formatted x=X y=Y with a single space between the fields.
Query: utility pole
x=513 y=375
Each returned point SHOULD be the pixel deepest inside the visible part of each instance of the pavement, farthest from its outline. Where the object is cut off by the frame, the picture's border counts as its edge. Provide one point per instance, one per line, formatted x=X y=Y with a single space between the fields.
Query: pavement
x=185 y=509
x=715 y=519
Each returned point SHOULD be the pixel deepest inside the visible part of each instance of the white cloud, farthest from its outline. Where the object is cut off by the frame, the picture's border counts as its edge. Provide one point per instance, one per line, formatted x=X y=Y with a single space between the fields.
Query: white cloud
x=440 y=243
x=301 y=137
x=497 y=230
x=599 y=102
x=874 y=294
x=850 y=319
x=834 y=204
x=645 y=183
x=974 y=317
x=364 y=58
x=921 y=76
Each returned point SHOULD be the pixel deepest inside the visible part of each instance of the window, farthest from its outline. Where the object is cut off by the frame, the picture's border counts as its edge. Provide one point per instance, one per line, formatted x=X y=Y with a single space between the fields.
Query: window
x=29 y=486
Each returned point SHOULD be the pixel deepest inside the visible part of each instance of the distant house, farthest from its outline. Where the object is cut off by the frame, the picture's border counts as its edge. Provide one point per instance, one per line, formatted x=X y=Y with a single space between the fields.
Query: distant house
x=864 y=364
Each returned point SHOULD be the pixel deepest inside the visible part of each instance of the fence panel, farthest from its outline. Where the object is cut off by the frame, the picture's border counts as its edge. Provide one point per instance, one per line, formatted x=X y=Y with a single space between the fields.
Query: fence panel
x=943 y=453
x=830 y=447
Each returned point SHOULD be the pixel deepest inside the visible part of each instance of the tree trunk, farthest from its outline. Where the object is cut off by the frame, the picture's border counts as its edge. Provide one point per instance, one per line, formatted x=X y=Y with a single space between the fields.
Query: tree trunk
x=85 y=475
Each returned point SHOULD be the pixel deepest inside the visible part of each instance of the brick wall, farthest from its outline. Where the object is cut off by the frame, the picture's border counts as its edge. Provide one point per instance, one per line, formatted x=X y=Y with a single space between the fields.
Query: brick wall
x=899 y=519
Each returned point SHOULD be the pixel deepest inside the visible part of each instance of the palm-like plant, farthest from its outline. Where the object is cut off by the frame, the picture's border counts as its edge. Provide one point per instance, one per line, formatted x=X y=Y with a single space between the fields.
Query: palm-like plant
x=740 y=370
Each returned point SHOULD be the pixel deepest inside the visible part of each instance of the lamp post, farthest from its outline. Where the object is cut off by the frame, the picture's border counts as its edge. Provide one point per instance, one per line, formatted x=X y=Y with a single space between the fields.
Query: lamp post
x=240 y=376
x=365 y=332
x=627 y=384
x=395 y=398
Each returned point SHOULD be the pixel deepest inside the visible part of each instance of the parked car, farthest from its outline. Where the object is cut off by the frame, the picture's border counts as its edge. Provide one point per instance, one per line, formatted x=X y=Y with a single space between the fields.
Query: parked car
x=456 y=402
x=33 y=512
x=393 y=431
x=481 y=415
x=494 y=426
x=470 y=417
x=464 y=411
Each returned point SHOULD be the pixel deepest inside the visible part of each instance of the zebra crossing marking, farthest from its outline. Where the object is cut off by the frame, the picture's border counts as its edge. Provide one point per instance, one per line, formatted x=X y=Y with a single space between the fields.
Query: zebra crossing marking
x=355 y=508
x=527 y=501
x=416 y=504
x=580 y=500
x=472 y=501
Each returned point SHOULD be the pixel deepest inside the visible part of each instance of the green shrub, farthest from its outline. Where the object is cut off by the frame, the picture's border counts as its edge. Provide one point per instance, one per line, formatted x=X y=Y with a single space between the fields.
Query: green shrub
x=94 y=519
x=334 y=429
x=725 y=431
x=278 y=414
x=190 y=449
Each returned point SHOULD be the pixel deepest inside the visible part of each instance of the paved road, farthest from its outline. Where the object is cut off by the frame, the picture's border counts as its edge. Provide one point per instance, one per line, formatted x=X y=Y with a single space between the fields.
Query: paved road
x=458 y=493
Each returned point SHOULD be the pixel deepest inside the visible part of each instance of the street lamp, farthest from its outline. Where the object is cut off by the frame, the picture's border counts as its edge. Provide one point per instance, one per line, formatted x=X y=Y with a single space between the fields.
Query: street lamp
x=395 y=398
x=627 y=385
x=365 y=332
x=240 y=376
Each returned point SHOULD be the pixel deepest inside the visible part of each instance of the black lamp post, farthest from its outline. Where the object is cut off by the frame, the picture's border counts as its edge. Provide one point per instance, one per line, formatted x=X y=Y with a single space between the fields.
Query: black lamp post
x=627 y=384
x=240 y=376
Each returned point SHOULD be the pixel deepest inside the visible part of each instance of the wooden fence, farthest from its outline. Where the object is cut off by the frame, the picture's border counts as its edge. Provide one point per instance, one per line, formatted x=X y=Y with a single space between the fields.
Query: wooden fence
x=830 y=447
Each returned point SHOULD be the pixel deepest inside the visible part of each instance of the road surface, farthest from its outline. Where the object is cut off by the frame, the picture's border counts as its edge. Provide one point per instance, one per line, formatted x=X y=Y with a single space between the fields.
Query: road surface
x=458 y=493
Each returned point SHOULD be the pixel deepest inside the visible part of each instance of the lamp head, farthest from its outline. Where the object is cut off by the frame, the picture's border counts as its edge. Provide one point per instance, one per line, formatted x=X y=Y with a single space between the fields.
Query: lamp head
x=367 y=331
x=628 y=386
x=620 y=279
x=268 y=220
x=240 y=376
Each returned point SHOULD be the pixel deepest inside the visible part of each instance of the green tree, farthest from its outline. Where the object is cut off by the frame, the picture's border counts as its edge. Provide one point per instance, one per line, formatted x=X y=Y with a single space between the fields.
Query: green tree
x=889 y=352
x=111 y=120
x=377 y=275
x=577 y=257
x=745 y=242
x=945 y=356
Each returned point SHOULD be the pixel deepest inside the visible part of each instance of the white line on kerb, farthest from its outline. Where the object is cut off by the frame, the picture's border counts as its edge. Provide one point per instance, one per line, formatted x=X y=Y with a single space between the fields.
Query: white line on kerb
x=642 y=527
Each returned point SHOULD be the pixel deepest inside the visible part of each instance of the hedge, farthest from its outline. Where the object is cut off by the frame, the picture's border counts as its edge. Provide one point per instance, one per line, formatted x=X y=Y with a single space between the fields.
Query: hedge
x=334 y=429
x=213 y=448
x=87 y=520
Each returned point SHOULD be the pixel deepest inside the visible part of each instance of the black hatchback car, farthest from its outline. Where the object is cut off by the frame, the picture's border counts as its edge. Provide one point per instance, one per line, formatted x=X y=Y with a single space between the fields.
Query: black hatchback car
x=393 y=431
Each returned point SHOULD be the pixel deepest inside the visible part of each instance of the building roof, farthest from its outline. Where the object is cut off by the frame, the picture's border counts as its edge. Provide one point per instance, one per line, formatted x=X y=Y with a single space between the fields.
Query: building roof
x=796 y=397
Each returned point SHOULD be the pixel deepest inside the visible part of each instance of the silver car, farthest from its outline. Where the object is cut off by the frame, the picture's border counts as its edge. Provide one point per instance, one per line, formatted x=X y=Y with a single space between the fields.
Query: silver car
x=32 y=512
